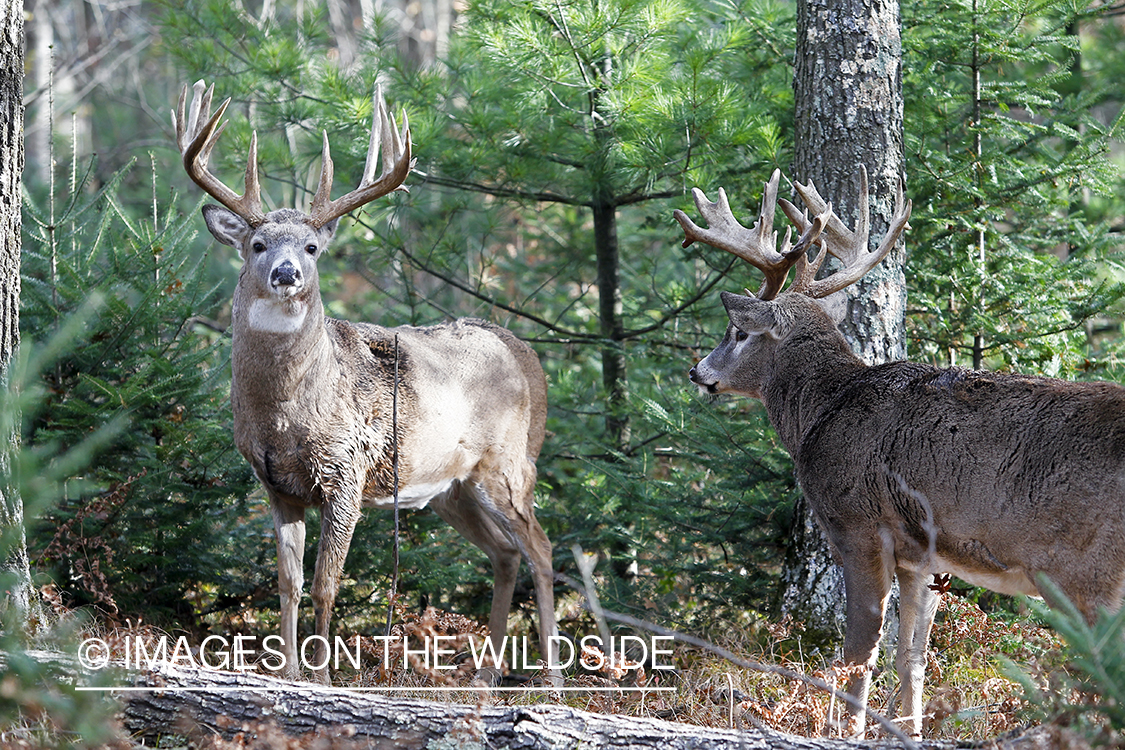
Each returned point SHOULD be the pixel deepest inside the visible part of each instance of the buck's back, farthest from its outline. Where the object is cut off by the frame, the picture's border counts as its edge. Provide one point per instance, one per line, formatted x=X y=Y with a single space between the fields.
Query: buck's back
x=1008 y=471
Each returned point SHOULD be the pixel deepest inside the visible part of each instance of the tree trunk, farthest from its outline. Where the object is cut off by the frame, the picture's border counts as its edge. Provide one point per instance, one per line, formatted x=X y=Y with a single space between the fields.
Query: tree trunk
x=848 y=99
x=612 y=327
x=14 y=564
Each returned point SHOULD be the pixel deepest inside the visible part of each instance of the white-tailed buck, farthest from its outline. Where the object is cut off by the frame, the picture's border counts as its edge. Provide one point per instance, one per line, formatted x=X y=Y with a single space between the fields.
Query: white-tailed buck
x=312 y=396
x=914 y=470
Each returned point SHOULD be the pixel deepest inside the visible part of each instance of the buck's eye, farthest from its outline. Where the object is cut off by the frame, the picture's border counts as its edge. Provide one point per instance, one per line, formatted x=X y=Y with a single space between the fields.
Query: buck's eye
x=259 y=246
x=741 y=335
x=311 y=249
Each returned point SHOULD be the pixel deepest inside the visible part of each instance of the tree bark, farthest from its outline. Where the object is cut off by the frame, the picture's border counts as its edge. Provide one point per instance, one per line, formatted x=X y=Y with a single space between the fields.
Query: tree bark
x=14 y=568
x=614 y=377
x=208 y=702
x=249 y=703
x=848 y=99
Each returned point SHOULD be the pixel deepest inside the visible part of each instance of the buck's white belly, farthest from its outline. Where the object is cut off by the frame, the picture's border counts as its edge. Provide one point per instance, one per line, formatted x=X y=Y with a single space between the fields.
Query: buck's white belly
x=412 y=496
x=1011 y=582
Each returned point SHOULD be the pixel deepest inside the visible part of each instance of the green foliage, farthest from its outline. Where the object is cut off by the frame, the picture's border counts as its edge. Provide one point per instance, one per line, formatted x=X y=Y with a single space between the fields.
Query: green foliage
x=1008 y=261
x=157 y=524
x=583 y=102
x=37 y=692
x=699 y=513
x=1095 y=671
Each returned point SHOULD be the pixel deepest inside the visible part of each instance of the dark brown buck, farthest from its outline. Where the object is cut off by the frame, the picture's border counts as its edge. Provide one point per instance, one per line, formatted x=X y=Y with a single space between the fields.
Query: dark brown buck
x=914 y=470
x=312 y=396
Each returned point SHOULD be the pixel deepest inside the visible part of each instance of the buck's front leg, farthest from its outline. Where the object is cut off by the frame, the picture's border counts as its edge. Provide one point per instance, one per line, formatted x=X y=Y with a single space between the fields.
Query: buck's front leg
x=338 y=518
x=289 y=526
x=867 y=586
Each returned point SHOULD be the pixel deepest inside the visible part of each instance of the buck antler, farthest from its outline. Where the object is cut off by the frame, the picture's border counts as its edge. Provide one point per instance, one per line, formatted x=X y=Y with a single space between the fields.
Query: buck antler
x=396 y=166
x=199 y=131
x=196 y=136
x=756 y=245
x=850 y=247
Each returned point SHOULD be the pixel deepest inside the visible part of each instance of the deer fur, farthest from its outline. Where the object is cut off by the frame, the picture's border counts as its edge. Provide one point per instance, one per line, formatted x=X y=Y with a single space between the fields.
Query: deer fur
x=916 y=471
x=312 y=401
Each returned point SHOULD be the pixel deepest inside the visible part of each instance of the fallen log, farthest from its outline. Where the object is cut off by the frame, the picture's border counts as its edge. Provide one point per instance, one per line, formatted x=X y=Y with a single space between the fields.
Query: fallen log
x=227 y=703
x=260 y=710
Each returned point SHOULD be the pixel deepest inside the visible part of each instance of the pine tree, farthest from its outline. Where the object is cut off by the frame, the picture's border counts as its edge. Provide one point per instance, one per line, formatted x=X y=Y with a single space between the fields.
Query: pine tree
x=1006 y=266
x=158 y=524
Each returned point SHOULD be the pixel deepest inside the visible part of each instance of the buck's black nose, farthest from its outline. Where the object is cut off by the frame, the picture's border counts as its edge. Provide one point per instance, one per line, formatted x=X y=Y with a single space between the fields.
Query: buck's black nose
x=691 y=374
x=285 y=274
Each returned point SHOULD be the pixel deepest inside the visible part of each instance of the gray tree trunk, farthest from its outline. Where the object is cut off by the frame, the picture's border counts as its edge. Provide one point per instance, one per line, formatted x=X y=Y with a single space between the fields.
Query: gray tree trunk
x=848 y=99
x=13 y=555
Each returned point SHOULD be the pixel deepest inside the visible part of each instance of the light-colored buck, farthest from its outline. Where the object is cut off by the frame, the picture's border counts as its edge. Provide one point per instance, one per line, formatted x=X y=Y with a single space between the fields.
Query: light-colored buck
x=312 y=396
x=914 y=470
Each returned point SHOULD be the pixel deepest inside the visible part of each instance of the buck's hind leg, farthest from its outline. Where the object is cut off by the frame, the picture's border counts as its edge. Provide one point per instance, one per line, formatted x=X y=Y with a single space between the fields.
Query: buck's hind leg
x=469 y=509
x=289 y=526
x=539 y=558
x=496 y=514
x=537 y=547
x=917 y=606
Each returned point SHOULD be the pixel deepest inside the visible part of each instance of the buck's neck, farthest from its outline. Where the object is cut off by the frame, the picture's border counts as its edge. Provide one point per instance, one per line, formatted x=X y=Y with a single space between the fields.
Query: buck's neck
x=811 y=366
x=280 y=348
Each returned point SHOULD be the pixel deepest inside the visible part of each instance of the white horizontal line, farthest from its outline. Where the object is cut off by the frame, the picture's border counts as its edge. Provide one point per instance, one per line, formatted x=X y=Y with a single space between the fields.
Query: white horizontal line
x=315 y=689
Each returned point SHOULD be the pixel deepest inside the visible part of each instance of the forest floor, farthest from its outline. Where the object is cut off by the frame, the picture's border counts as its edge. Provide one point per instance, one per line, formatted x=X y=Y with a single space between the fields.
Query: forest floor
x=970 y=694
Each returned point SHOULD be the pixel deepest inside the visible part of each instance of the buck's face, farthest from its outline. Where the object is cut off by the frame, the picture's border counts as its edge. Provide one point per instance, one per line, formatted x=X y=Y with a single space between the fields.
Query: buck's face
x=745 y=358
x=279 y=279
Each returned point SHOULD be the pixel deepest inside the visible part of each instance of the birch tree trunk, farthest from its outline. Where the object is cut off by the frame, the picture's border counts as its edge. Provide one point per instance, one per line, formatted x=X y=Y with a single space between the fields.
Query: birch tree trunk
x=848 y=98
x=14 y=572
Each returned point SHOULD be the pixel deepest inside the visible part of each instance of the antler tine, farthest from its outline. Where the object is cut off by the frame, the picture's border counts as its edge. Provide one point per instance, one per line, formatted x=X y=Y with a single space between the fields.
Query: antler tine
x=197 y=132
x=755 y=245
x=806 y=269
x=396 y=148
x=850 y=247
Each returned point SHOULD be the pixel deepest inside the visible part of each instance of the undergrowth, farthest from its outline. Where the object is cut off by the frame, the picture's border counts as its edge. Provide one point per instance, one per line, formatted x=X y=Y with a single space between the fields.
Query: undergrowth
x=969 y=694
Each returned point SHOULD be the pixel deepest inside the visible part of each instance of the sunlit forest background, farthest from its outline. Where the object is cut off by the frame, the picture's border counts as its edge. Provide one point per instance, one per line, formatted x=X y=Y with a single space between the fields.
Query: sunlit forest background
x=529 y=121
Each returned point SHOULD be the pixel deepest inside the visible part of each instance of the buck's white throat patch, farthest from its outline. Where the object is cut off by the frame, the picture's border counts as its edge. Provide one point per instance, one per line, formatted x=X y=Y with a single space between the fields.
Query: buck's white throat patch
x=277 y=316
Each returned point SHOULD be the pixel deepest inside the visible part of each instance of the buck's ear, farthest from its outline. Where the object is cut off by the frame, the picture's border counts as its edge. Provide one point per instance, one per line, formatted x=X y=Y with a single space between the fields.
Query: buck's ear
x=328 y=231
x=226 y=226
x=750 y=314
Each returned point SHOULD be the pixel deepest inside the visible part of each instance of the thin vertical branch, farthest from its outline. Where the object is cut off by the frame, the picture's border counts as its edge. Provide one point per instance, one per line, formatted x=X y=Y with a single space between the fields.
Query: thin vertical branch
x=394 y=468
x=73 y=180
x=51 y=231
x=978 y=154
x=156 y=250
x=586 y=565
